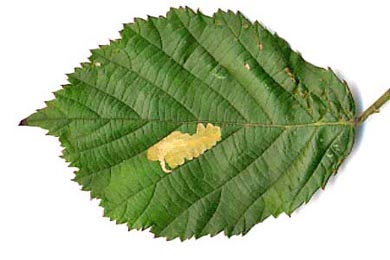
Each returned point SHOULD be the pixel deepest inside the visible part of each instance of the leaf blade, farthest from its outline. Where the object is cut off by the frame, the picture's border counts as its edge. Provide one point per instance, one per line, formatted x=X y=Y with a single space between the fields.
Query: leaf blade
x=286 y=124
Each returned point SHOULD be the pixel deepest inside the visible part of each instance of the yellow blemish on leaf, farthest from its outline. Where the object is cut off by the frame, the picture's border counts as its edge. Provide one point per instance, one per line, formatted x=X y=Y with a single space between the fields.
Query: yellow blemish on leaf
x=247 y=66
x=178 y=147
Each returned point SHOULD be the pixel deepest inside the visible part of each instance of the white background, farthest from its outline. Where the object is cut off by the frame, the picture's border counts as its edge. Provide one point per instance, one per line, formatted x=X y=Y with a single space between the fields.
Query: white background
x=44 y=215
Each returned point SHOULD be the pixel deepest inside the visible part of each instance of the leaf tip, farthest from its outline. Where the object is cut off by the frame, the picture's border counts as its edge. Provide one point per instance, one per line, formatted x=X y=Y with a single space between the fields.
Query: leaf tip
x=23 y=122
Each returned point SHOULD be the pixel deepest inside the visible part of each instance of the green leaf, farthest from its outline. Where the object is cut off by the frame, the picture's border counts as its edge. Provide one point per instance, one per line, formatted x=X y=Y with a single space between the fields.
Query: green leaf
x=286 y=124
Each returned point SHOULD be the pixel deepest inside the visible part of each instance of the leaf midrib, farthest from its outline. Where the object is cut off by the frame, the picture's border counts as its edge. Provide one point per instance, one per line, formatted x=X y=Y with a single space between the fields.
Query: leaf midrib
x=243 y=124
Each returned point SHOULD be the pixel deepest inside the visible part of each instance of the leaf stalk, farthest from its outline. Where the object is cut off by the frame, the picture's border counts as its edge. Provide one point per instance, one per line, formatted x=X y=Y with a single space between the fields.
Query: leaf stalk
x=374 y=108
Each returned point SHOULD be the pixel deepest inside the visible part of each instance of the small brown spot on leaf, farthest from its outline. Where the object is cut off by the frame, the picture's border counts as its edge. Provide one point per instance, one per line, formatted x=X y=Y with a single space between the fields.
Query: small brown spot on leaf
x=290 y=73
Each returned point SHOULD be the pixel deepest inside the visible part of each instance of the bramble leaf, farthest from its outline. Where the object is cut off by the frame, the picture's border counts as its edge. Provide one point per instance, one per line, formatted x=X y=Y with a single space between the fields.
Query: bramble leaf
x=286 y=124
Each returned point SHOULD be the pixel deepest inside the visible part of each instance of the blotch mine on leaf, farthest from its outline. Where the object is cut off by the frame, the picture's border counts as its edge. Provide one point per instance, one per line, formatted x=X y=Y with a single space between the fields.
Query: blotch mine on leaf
x=178 y=147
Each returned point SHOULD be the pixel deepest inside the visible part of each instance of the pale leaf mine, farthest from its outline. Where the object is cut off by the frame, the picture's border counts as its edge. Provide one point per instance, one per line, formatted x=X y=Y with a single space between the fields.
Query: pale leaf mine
x=178 y=146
